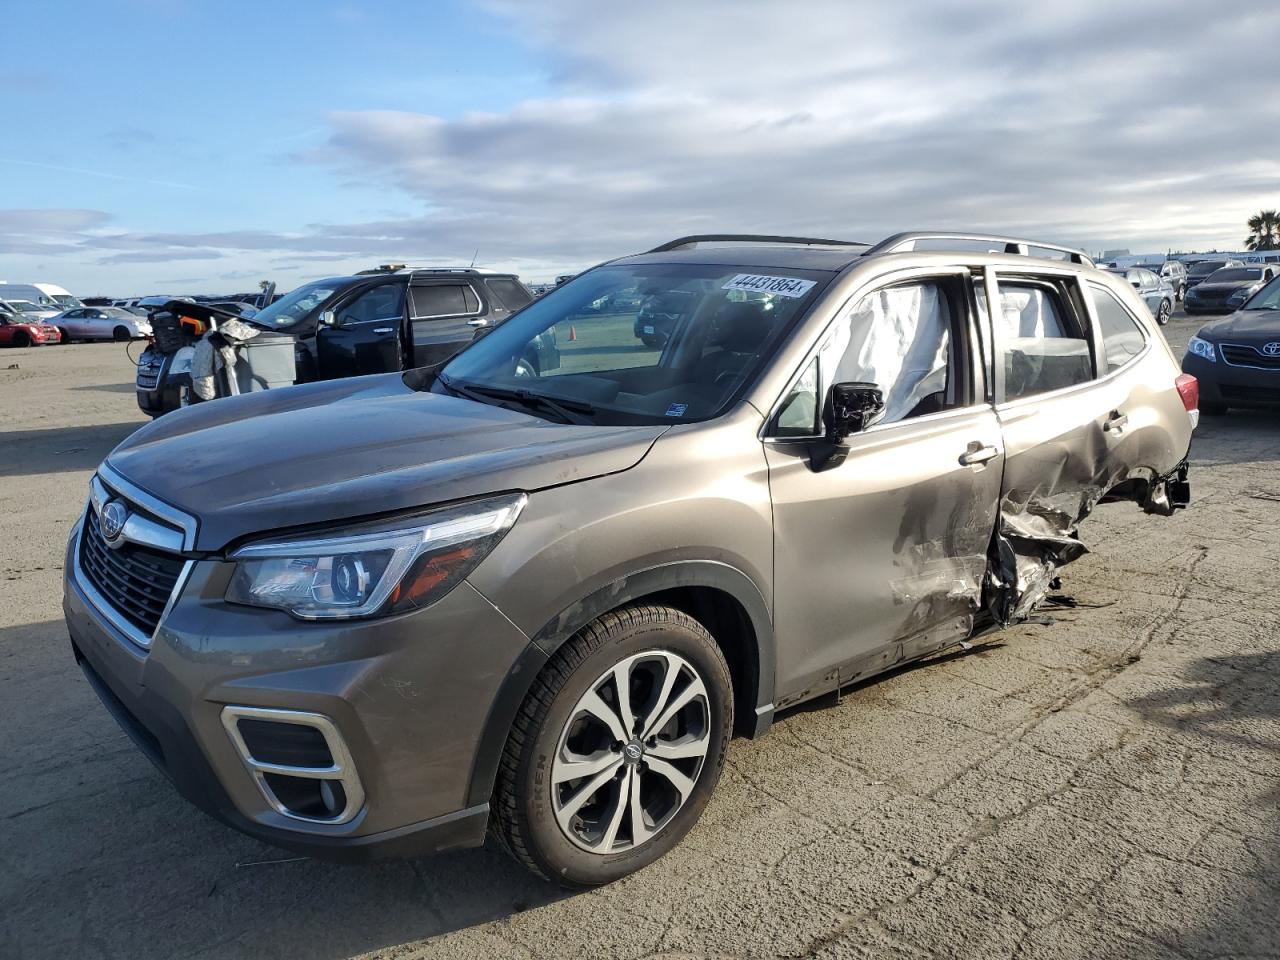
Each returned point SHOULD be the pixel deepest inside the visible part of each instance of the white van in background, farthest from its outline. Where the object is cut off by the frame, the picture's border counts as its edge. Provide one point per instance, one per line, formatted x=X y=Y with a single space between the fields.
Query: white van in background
x=44 y=294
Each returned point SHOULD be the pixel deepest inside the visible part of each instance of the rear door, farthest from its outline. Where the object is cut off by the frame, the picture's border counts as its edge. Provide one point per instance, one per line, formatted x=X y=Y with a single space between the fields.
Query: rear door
x=882 y=557
x=443 y=317
x=1062 y=429
x=364 y=337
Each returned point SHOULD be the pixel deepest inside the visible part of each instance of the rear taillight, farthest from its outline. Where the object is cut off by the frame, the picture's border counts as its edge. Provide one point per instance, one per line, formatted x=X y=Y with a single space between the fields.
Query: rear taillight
x=1189 y=390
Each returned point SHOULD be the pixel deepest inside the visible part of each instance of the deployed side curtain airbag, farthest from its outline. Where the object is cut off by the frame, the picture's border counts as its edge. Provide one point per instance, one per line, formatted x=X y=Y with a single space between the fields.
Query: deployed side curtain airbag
x=896 y=338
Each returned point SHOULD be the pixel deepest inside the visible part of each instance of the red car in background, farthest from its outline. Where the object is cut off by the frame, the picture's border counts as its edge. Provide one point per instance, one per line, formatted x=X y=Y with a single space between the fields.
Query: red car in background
x=17 y=332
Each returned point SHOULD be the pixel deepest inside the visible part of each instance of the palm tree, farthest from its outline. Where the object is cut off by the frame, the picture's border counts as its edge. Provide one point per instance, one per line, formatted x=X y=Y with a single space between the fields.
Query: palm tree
x=1264 y=231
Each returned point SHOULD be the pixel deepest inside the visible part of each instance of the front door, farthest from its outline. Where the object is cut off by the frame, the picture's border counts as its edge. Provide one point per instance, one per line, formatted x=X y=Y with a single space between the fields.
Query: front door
x=364 y=337
x=882 y=557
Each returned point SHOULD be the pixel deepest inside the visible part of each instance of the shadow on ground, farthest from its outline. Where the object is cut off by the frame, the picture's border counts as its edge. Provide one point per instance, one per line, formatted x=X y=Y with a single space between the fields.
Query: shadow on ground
x=60 y=449
x=1233 y=703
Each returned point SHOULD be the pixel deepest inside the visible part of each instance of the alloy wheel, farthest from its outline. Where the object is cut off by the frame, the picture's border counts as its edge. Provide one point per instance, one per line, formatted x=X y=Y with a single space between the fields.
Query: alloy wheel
x=631 y=752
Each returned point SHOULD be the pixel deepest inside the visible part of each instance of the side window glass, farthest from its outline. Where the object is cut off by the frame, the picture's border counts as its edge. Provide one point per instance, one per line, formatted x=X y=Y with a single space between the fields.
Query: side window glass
x=384 y=302
x=442 y=300
x=899 y=338
x=1042 y=351
x=1122 y=338
x=511 y=294
x=798 y=415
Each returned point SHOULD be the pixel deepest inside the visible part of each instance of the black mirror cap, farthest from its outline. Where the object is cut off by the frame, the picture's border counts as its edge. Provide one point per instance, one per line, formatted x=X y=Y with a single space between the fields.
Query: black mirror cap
x=852 y=407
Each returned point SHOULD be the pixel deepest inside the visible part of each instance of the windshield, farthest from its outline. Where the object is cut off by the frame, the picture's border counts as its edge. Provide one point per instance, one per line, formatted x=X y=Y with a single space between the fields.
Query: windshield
x=1206 y=267
x=26 y=306
x=1268 y=298
x=641 y=343
x=66 y=300
x=294 y=306
x=117 y=312
x=1232 y=274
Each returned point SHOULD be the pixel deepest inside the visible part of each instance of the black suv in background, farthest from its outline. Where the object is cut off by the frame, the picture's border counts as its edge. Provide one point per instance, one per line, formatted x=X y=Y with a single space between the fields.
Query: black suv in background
x=377 y=321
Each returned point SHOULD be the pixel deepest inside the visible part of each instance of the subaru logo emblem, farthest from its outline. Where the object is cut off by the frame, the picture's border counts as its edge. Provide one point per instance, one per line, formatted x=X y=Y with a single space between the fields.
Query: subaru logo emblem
x=114 y=515
x=1272 y=349
x=633 y=751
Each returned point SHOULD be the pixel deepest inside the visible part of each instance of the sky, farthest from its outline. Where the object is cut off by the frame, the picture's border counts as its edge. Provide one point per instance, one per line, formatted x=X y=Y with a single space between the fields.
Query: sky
x=183 y=146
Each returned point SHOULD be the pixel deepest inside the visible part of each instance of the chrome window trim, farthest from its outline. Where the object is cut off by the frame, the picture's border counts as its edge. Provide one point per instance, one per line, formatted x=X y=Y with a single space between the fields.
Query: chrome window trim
x=106 y=609
x=183 y=521
x=343 y=768
x=442 y=316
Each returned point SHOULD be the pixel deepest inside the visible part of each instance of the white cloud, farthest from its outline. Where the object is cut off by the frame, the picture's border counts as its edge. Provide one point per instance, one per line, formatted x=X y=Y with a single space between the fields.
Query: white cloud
x=1093 y=123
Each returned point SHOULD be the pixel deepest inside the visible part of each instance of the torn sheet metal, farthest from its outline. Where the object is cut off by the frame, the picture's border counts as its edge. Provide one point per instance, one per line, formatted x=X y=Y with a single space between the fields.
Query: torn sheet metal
x=1028 y=548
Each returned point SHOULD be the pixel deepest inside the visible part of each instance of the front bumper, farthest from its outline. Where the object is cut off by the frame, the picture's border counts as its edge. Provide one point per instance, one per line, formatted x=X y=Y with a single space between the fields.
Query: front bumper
x=410 y=696
x=1197 y=304
x=1228 y=385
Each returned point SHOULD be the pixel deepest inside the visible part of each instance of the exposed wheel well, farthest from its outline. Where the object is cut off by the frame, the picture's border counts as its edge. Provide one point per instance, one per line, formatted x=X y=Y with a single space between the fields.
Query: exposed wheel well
x=727 y=621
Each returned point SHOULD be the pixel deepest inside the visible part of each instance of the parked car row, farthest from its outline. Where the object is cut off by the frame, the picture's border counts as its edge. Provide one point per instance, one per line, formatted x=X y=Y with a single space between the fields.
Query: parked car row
x=376 y=321
x=25 y=328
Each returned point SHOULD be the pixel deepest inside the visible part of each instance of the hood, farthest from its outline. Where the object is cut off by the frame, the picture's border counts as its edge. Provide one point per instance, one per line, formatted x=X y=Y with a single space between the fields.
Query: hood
x=334 y=451
x=1244 y=326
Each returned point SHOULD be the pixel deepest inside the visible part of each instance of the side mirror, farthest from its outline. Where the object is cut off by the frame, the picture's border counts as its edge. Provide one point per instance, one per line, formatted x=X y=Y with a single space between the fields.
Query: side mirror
x=1136 y=284
x=851 y=408
x=329 y=319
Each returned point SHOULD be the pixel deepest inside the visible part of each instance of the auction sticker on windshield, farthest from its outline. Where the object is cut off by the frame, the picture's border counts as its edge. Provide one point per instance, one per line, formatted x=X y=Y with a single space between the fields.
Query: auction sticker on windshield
x=792 y=287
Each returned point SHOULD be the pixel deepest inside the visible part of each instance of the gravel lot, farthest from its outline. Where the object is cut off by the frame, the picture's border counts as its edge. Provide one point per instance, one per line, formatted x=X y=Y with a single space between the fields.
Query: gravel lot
x=1102 y=787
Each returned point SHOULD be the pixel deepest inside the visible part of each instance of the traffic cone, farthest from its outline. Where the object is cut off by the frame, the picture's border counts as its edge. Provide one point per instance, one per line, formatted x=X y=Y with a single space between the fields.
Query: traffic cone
x=573 y=334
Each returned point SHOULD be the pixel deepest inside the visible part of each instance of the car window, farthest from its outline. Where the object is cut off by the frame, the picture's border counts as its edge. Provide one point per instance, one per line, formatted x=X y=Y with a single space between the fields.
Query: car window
x=1042 y=349
x=383 y=302
x=798 y=413
x=1122 y=337
x=512 y=295
x=642 y=343
x=443 y=300
x=899 y=338
x=1235 y=274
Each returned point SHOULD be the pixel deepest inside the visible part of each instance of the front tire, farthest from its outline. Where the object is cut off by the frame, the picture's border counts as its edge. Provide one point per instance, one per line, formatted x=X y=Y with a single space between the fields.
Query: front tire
x=63 y=336
x=1165 y=311
x=21 y=339
x=121 y=334
x=617 y=748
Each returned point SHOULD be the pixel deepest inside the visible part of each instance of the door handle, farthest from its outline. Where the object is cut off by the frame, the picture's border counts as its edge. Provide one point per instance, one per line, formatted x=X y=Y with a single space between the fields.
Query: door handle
x=384 y=329
x=1116 y=421
x=482 y=322
x=977 y=455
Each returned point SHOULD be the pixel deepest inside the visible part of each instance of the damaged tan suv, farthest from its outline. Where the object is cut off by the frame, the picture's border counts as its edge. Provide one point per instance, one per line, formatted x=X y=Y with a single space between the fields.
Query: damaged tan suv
x=388 y=614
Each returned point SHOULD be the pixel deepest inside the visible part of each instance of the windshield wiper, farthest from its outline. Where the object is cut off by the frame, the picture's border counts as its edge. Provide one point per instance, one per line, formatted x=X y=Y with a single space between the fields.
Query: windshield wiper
x=568 y=411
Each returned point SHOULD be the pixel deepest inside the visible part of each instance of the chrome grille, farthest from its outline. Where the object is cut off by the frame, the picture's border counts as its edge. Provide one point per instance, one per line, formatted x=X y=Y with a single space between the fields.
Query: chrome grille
x=135 y=580
x=1242 y=355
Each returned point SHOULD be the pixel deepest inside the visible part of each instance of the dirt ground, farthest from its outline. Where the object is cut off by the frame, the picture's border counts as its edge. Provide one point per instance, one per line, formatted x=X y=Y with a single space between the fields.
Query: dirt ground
x=1102 y=787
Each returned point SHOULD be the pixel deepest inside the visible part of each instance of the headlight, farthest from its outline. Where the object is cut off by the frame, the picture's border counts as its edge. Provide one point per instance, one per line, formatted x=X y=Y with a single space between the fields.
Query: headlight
x=366 y=574
x=1203 y=349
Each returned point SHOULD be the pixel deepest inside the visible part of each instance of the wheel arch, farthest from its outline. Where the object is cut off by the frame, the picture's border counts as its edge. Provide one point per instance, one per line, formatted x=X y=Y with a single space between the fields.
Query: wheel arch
x=722 y=598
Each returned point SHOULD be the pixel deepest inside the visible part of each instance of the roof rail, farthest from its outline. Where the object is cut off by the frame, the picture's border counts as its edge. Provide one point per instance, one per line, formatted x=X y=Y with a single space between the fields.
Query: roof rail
x=906 y=242
x=681 y=242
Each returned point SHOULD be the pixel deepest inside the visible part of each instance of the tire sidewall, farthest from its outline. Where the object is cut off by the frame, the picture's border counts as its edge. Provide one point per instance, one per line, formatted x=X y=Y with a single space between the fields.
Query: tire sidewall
x=555 y=853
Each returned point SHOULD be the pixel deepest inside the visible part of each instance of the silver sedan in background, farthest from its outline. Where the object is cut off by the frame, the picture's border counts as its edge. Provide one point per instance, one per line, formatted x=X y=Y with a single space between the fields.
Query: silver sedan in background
x=101 y=323
x=1156 y=291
